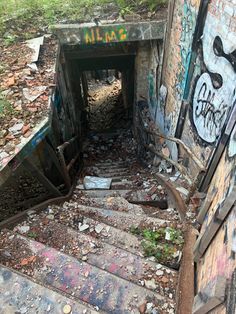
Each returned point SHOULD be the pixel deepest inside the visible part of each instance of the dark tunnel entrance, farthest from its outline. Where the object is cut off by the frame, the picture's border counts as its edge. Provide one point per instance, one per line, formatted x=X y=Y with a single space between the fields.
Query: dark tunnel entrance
x=103 y=85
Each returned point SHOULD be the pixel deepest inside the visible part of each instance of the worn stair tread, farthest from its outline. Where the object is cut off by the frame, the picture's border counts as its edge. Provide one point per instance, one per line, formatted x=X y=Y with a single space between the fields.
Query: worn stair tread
x=84 y=281
x=104 y=193
x=121 y=220
x=111 y=203
x=19 y=294
x=104 y=255
x=119 y=178
x=112 y=174
x=115 y=163
x=109 y=169
x=108 y=234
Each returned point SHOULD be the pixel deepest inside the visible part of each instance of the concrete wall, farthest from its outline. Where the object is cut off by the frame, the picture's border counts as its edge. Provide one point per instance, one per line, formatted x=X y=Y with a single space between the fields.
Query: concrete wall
x=200 y=78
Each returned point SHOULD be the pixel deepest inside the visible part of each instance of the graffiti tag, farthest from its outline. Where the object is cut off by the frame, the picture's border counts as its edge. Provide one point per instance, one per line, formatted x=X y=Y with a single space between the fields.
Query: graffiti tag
x=209 y=111
x=214 y=92
x=98 y=35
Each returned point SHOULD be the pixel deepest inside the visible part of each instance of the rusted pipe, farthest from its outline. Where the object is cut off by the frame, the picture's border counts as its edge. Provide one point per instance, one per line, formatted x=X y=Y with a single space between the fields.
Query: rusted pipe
x=174 y=195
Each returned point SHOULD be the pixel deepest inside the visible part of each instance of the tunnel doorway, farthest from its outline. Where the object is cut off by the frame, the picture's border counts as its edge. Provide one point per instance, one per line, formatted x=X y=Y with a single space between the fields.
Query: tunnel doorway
x=102 y=84
x=106 y=108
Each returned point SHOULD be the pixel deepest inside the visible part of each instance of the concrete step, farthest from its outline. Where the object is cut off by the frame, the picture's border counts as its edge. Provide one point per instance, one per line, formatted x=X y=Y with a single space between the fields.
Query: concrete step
x=112 y=203
x=104 y=193
x=108 y=169
x=118 y=185
x=124 y=177
x=19 y=294
x=115 y=163
x=103 y=255
x=121 y=220
x=79 y=279
x=109 y=234
x=110 y=174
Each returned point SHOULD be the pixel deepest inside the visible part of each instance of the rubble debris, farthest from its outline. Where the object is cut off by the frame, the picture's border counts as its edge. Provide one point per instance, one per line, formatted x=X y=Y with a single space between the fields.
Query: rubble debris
x=24 y=93
x=91 y=183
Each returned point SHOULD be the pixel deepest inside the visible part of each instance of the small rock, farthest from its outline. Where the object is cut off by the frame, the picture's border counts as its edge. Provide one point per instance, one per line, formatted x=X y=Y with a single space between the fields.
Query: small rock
x=67 y=309
x=150 y=284
x=9 y=147
x=10 y=81
x=158 y=266
x=149 y=306
x=27 y=134
x=159 y=272
x=24 y=229
x=3 y=133
x=142 y=308
x=98 y=228
x=2 y=142
x=16 y=128
x=83 y=227
x=164 y=279
x=50 y=217
x=25 y=128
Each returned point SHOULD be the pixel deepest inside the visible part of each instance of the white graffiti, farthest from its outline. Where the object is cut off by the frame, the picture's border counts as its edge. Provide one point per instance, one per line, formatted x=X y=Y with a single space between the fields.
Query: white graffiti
x=232 y=143
x=211 y=103
x=209 y=110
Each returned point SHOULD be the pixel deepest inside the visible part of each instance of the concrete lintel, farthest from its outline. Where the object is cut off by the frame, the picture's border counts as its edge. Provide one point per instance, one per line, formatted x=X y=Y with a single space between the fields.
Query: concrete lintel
x=90 y=34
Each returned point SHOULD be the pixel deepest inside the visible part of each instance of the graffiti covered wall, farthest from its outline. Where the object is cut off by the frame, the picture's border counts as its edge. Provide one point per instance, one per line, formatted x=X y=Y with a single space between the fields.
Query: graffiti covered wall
x=213 y=92
x=177 y=57
x=210 y=93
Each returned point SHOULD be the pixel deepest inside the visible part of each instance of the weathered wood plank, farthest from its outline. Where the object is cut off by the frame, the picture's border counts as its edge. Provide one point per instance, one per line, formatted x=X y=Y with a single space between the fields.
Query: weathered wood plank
x=212 y=296
x=205 y=206
x=222 y=211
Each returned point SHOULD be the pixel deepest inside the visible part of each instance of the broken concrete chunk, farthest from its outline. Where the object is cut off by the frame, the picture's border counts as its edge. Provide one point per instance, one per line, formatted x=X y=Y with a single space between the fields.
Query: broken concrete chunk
x=16 y=128
x=34 y=92
x=97 y=183
x=150 y=284
x=35 y=44
x=24 y=229
x=159 y=272
x=83 y=227
x=98 y=228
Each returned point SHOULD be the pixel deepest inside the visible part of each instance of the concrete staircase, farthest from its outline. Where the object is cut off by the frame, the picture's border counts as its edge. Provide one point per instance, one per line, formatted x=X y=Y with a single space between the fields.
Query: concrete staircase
x=81 y=257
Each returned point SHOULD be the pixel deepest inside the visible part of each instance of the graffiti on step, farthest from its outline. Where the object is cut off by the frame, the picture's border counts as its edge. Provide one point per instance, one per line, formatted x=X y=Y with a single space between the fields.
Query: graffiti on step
x=107 y=35
x=215 y=89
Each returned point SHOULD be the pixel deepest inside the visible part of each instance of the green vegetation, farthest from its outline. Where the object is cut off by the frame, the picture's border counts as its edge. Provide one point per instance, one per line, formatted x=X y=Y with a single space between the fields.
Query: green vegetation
x=32 y=235
x=20 y=19
x=5 y=107
x=162 y=243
